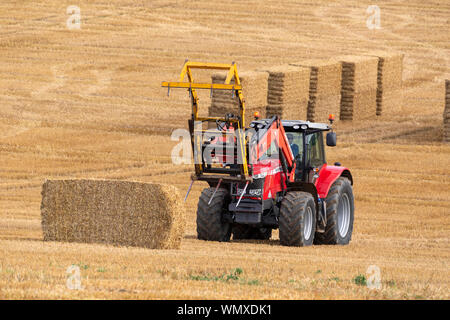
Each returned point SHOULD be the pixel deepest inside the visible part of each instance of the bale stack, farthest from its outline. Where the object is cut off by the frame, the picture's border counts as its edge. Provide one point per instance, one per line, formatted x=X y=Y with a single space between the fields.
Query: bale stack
x=447 y=112
x=389 y=82
x=288 y=92
x=324 y=88
x=254 y=88
x=112 y=212
x=358 y=87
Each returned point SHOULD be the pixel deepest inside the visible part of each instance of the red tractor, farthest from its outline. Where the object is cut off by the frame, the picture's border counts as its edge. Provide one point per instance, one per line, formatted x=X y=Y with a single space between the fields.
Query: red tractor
x=270 y=175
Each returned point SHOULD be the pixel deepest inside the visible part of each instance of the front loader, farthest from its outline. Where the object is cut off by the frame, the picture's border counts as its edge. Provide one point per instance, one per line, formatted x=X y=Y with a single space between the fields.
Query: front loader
x=270 y=175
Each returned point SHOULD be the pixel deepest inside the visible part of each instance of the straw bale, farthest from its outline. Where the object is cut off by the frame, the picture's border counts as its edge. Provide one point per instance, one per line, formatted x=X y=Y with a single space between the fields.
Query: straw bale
x=358 y=87
x=389 y=81
x=254 y=89
x=324 y=87
x=288 y=92
x=320 y=108
x=113 y=212
x=447 y=112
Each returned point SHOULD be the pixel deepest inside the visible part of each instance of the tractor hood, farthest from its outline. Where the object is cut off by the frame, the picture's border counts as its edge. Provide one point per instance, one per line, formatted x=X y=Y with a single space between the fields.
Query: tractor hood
x=264 y=168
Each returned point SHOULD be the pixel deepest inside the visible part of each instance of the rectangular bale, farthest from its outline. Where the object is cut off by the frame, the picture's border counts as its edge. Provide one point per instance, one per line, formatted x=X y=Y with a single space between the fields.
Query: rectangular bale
x=113 y=212
x=389 y=81
x=447 y=112
x=254 y=89
x=288 y=92
x=323 y=106
x=324 y=88
x=358 y=87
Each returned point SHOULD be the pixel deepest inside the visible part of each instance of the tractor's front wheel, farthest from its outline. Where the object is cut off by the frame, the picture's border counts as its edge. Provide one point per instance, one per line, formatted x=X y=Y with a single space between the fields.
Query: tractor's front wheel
x=340 y=214
x=297 y=220
x=210 y=225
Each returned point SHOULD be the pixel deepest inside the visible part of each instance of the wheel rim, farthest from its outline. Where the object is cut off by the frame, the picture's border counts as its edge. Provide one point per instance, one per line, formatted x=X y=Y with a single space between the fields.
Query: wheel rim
x=307 y=231
x=344 y=215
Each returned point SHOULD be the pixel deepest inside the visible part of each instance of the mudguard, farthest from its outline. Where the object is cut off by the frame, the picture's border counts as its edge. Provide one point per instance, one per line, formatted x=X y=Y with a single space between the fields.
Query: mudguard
x=328 y=175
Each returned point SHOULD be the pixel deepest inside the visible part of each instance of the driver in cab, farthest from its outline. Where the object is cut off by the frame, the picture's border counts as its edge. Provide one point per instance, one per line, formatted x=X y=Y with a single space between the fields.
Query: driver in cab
x=294 y=146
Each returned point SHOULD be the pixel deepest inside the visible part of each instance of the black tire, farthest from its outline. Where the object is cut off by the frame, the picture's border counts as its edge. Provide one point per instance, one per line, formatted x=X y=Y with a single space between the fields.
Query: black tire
x=340 y=189
x=210 y=225
x=242 y=231
x=297 y=209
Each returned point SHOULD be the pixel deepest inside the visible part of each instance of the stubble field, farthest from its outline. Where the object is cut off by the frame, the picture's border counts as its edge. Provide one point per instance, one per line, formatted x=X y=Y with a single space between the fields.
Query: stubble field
x=87 y=103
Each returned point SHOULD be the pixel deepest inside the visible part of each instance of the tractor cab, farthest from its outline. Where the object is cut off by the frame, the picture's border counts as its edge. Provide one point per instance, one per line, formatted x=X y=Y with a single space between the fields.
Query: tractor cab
x=305 y=141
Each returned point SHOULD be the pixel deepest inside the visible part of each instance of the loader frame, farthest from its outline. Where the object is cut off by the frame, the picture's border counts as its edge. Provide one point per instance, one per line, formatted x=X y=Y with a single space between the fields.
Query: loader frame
x=204 y=172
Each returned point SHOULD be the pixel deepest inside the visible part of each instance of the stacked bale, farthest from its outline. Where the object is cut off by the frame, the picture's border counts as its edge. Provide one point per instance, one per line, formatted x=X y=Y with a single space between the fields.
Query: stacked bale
x=288 y=92
x=324 y=88
x=113 y=212
x=358 y=87
x=447 y=112
x=254 y=88
x=389 y=82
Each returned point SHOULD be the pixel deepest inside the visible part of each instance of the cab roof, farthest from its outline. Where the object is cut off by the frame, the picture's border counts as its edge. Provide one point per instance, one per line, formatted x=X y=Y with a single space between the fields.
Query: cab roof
x=289 y=124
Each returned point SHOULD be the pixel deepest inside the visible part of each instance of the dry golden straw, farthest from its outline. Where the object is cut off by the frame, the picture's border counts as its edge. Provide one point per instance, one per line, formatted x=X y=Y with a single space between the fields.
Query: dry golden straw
x=114 y=212
x=389 y=82
x=288 y=92
x=358 y=87
x=447 y=112
x=324 y=88
x=254 y=89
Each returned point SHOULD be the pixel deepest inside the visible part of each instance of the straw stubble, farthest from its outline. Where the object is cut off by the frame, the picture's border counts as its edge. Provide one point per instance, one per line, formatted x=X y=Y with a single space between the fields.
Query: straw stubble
x=447 y=112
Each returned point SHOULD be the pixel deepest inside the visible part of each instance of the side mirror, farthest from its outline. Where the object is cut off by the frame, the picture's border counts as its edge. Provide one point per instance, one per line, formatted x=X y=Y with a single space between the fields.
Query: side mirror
x=331 y=139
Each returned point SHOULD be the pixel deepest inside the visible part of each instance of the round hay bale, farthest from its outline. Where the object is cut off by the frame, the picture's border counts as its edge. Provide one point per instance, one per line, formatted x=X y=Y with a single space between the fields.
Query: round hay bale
x=114 y=212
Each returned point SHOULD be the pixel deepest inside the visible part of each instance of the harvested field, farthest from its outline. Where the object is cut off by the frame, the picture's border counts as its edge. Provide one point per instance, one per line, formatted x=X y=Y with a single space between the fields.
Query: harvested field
x=447 y=112
x=121 y=213
x=87 y=104
x=288 y=92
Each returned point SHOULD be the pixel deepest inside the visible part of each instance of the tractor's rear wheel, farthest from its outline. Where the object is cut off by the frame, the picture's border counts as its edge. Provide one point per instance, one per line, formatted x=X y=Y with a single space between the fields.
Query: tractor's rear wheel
x=210 y=225
x=297 y=220
x=340 y=214
x=242 y=231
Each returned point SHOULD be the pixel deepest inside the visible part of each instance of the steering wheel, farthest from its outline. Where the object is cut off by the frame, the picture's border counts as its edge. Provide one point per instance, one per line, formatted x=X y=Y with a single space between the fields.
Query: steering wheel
x=220 y=125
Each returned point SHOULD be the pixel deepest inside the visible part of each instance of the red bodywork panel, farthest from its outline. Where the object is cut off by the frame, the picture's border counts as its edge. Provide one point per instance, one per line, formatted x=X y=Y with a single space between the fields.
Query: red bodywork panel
x=275 y=133
x=274 y=176
x=327 y=176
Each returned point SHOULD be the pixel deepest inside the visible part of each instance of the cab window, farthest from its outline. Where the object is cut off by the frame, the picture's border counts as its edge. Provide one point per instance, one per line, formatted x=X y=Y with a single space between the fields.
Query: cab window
x=271 y=152
x=316 y=156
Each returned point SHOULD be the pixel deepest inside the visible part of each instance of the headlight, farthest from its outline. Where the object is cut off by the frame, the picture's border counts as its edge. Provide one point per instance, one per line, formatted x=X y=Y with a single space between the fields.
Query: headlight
x=304 y=127
x=296 y=127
